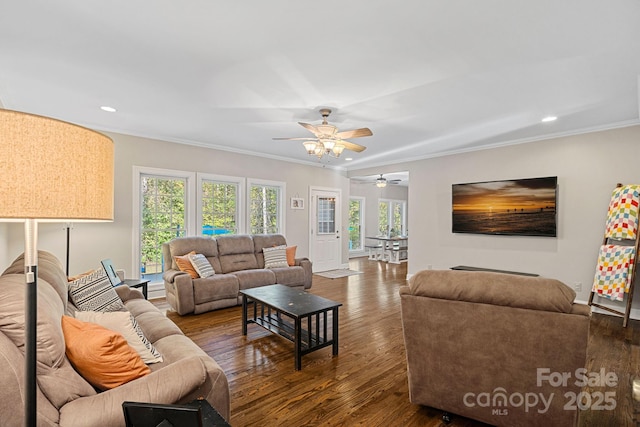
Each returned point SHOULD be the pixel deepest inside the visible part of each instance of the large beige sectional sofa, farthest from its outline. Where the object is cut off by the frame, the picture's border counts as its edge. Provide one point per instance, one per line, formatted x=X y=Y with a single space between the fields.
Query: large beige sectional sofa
x=494 y=347
x=64 y=397
x=238 y=262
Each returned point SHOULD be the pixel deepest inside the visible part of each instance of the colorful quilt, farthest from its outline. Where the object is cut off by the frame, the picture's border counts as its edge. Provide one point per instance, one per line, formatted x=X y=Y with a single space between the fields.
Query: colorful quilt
x=622 y=217
x=614 y=271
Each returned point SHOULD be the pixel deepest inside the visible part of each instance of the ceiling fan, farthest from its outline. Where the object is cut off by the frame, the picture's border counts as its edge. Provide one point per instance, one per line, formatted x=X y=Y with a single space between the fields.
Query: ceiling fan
x=382 y=182
x=328 y=141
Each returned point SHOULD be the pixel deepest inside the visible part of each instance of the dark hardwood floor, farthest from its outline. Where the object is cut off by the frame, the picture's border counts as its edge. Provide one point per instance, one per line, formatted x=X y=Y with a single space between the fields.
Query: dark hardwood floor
x=366 y=384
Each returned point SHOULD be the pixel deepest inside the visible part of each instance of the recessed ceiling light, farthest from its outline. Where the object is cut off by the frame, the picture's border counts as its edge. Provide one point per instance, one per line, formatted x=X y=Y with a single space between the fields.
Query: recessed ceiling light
x=108 y=109
x=348 y=159
x=549 y=119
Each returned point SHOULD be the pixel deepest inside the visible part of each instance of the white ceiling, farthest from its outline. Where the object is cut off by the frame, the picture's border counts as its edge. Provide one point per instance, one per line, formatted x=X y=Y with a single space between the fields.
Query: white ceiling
x=426 y=76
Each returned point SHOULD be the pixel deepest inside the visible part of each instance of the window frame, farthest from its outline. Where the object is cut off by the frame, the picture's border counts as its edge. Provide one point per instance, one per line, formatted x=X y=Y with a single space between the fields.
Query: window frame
x=282 y=191
x=241 y=216
x=138 y=173
x=390 y=204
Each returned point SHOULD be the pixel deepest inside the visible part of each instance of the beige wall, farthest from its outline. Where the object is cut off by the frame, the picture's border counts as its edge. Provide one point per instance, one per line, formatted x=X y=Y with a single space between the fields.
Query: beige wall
x=588 y=167
x=91 y=242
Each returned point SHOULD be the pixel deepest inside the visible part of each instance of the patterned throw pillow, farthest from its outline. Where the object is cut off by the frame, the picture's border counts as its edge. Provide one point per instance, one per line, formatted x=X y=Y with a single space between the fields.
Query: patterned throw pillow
x=275 y=257
x=201 y=265
x=124 y=323
x=94 y=292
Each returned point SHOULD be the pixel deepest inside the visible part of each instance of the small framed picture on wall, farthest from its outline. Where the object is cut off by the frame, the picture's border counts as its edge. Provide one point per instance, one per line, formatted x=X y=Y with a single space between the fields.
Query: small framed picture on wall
x=297 y=203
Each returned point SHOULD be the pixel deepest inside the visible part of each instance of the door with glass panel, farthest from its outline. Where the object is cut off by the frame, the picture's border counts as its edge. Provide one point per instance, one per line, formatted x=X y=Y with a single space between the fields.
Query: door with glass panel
x=326 y=246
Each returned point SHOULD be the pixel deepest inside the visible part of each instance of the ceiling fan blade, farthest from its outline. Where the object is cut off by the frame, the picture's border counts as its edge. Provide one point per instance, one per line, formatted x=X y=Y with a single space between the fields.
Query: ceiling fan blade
x=294 y=139
x=355 y=133
x=310 y=128
x=351 y=146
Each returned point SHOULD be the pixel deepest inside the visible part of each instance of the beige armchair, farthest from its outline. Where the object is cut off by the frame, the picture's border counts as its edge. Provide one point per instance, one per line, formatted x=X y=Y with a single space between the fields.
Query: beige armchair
x=503 y=349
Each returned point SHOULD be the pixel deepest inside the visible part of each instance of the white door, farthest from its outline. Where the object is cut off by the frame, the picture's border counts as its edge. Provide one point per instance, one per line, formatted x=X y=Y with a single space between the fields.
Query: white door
x=325 y=241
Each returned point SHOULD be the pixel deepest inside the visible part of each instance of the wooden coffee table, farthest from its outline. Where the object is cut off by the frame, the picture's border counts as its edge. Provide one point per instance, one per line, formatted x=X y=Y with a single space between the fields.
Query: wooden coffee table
x=298 y=316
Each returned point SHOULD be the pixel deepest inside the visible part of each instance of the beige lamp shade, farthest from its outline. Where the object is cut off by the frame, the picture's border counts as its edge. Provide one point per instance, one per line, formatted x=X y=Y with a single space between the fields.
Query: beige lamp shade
x=50 y=170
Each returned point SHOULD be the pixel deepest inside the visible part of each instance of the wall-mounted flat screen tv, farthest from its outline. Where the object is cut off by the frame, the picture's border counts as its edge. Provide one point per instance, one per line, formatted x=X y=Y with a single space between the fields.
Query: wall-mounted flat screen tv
x=516 y=207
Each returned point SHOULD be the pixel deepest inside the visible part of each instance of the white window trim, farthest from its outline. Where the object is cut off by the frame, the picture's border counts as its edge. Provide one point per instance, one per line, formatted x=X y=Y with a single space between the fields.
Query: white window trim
x=282 y=220
x=138 y=171
x=241 y=202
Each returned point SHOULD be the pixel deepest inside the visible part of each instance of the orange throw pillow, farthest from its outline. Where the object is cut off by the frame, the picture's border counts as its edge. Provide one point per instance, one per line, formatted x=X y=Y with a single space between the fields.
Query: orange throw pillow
x=184 y=264
x=291 y=255
x=103 y=357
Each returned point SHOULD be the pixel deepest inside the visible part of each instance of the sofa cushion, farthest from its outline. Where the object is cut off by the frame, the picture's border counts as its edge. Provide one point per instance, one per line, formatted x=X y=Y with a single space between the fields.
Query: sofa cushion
x=49 y=269
x=201 y=245
x=201 y=265
x=125 y=324
x=219 y=286
x=184 y=264
x=289 y=275
x=94 y=292
x=248 y=279
x=275 y=257
x=56 y=377
x=535 y=293
x=102 y=356
x=261 y=241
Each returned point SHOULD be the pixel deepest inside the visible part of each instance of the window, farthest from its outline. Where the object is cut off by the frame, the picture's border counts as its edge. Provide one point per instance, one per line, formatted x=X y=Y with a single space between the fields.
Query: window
x=220 y=204
x=356 y=220
x=383 y=218
x=266 y=208
x=169 y=204
x=392 y=218
x=326 y=215
x=163 y=214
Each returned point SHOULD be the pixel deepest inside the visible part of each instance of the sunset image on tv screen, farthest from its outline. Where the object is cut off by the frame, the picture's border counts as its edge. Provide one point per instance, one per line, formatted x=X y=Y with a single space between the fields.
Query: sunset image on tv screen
x=512 y=207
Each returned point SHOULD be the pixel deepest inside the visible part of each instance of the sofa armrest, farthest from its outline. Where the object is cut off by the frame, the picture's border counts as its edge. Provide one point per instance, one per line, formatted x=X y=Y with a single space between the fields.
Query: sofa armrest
x=179 y=291
x=170 y=275
x=167 y=385
x=306 y=264
x=126 y=293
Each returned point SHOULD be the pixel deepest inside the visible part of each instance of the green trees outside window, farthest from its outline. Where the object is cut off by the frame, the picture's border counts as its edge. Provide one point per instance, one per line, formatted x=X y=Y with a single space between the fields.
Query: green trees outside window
x=219 y=208
x=264 y=209
x=391 y=218
x=355 y=224
x=163 y=218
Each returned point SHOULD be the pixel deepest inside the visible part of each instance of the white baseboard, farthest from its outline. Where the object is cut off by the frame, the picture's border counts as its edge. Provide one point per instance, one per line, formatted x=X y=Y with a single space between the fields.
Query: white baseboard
x=634 y=315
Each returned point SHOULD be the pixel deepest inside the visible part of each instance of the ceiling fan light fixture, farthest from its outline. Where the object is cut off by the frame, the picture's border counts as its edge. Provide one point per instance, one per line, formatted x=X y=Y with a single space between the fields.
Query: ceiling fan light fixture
x=328 y=144
x=310 y=146
x=381 y=182
x=328 y=141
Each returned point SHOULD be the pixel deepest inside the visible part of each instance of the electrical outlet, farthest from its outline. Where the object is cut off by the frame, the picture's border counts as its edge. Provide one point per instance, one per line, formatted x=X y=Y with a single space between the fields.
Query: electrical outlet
x=429 y=266
x=577 y=286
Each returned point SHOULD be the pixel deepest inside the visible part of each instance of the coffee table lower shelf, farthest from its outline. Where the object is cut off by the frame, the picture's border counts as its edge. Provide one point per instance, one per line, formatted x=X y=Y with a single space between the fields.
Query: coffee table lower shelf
x=308 y=331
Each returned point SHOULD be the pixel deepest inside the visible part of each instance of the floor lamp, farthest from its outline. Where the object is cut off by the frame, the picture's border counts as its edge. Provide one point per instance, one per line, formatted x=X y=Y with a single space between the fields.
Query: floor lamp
x=52 y=171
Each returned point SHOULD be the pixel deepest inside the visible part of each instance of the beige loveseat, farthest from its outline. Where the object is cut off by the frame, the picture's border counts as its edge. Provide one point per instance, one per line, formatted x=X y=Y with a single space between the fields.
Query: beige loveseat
x=238 y=263
x=64 y=398
x=479 y=343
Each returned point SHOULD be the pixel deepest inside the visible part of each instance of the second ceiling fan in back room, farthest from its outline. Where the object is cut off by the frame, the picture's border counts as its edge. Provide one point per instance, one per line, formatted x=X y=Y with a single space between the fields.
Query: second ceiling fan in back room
x=382 y=182
x=328 y=141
